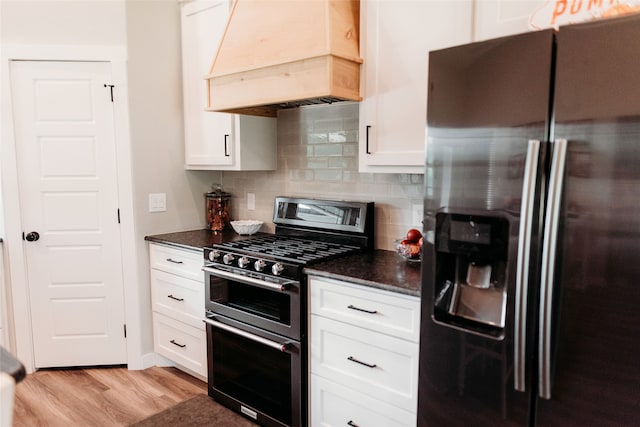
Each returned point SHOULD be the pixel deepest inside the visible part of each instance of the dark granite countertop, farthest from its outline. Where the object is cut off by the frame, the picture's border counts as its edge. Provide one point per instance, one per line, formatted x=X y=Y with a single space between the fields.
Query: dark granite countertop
x=196 y=239
x=379 y=269
x=11 y=366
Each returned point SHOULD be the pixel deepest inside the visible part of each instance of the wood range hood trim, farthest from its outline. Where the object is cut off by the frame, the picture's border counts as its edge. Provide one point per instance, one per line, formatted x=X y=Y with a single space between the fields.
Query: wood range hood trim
x=277 y=54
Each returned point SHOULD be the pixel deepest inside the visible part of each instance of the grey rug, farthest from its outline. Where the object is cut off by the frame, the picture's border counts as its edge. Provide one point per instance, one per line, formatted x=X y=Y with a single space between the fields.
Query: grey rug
x=200 y=410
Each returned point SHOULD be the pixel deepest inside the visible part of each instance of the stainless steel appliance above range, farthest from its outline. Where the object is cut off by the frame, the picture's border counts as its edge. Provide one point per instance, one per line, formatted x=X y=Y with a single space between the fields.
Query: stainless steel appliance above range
x=255 y=301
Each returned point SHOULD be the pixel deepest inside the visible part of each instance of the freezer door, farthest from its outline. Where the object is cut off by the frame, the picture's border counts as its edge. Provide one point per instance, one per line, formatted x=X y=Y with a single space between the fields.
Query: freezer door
x=488 y=113
x=590 y=327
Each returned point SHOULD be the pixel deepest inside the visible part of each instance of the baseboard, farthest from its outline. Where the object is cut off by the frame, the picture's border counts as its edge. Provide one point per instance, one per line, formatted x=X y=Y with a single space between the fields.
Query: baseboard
x=150 y=360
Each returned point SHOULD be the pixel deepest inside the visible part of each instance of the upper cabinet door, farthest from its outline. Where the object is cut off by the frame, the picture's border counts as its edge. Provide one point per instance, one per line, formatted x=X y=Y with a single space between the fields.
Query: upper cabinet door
x=497 y=18
x=396 y=37
x=203 y=23
x=215 y=140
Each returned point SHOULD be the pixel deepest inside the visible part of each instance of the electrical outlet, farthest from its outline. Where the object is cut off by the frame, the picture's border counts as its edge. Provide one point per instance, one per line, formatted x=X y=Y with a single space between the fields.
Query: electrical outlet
x=417 y=216
x=157 y=202
x=251 y=201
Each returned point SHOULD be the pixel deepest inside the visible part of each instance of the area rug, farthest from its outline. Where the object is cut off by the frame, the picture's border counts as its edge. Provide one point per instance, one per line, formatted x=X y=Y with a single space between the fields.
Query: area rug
x=200 y=410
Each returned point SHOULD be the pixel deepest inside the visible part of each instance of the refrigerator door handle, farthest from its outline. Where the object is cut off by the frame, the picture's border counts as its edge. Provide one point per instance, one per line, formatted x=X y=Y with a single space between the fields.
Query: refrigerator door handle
x=522 y=270
x=549 y=244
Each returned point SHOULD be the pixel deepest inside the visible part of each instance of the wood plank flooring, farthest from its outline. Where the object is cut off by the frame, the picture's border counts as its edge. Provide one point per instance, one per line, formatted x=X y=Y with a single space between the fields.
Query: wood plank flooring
x=96 y=397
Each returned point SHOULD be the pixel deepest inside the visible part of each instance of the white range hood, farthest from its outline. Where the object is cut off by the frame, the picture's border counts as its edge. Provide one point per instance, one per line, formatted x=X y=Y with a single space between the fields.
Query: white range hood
x=278 y=54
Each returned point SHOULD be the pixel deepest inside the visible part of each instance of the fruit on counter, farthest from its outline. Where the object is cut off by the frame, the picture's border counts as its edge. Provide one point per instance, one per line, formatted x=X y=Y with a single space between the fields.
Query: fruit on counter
x=414 y=235
x=412 y=250
x=411 y=245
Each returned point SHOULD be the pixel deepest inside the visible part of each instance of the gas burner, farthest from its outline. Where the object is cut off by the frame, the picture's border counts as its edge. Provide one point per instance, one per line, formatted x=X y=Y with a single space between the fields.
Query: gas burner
x=287 y=248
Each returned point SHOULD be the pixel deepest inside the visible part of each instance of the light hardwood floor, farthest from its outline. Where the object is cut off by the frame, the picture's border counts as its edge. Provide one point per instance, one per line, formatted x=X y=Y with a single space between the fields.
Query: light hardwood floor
x=99 y=396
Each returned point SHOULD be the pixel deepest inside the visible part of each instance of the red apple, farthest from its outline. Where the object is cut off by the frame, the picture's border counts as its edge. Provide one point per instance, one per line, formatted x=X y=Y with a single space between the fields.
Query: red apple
x=413 y=235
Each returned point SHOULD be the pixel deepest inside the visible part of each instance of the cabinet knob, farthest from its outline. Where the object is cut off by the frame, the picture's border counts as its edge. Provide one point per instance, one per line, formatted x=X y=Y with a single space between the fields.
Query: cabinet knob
x=32 y=236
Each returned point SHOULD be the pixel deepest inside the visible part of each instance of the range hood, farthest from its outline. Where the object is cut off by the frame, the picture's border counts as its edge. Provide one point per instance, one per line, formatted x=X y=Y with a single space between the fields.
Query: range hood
x=278 y=54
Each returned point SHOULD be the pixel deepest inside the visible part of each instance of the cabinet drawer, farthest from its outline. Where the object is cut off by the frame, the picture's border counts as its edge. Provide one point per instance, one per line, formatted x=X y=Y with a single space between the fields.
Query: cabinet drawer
x=181 y=343
x=378 y=365
x=177 y=261
x=333 y=404
x=381 y=311
x=177 y=297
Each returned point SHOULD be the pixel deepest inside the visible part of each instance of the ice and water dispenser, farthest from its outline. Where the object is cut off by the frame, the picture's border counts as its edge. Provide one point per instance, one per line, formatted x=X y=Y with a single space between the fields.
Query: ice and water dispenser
x=471 y=254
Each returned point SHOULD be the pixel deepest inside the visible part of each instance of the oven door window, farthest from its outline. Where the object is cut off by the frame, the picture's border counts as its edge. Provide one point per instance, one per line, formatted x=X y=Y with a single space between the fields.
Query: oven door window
x=268 y=304
x=257 y=375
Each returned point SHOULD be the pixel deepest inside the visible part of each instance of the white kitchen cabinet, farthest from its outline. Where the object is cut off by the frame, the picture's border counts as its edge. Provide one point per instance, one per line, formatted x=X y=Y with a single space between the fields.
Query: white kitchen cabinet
x=497 y=18
x=395 y=40
x=335 y=405
x=217 y=141
x=363 y=355
x=177 y=301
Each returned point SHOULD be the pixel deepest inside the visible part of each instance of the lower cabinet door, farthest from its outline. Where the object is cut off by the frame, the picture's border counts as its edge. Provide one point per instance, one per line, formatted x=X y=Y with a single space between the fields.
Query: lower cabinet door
x=177 y=297
x=333 y=404
x=181 y=343
x=380 y=366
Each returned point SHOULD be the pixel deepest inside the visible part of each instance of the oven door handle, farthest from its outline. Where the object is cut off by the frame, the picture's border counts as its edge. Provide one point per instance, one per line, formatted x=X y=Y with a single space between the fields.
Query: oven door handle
x=284 y=347
x=282 y=287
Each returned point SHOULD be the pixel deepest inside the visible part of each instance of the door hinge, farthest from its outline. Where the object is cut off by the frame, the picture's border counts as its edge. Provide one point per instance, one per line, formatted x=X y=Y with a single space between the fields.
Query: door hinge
x=118 y=215
x=125 y=330
x=111 y=88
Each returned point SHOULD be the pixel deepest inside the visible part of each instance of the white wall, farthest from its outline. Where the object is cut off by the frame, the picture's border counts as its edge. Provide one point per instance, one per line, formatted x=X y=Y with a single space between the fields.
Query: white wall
x=59 y=22
x=1 y=209
x=155 y=103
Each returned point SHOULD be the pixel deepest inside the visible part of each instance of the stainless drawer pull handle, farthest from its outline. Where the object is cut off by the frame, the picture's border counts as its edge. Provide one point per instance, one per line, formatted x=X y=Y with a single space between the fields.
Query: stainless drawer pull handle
x=179 y=345
x=353 y=359
x=353 y=307
x=352 y=424
x=174 y=261
x=174 y=298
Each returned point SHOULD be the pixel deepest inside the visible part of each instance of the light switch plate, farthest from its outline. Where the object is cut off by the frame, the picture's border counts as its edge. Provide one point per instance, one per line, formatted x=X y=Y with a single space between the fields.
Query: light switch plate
x=251 y=201
x=157 y=202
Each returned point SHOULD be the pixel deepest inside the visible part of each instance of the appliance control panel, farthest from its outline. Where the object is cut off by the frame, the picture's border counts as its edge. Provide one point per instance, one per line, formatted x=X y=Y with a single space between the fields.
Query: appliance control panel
x=243 y=264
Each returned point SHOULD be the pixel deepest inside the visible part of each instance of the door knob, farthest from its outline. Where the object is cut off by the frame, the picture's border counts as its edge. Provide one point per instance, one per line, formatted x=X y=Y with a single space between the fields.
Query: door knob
x=32 y=237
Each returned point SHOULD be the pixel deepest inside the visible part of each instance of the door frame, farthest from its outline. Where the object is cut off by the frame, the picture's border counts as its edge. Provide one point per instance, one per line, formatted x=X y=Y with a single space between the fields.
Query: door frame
x=19 y=310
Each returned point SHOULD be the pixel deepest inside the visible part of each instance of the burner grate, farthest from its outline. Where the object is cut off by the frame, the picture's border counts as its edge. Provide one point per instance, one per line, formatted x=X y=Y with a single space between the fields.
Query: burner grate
x=289 y=248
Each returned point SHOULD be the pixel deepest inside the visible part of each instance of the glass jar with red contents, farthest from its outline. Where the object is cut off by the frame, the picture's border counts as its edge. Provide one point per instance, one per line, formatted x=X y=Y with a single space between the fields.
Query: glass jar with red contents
x=218 y=210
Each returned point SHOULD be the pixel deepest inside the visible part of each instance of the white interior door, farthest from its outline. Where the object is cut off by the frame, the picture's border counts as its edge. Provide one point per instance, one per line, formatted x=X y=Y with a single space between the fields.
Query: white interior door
x=66 y=161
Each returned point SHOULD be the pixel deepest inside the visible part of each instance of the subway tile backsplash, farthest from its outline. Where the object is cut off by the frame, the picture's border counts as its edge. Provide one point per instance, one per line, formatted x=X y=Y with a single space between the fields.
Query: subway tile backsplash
x=318 y=158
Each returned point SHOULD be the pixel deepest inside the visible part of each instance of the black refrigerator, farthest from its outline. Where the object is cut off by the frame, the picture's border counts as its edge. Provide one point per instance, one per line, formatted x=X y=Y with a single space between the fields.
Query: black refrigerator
x=531 y=260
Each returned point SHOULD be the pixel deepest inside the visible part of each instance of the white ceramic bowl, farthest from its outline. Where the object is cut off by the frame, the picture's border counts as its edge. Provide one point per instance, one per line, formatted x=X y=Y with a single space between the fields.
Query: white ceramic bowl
x=248 y=226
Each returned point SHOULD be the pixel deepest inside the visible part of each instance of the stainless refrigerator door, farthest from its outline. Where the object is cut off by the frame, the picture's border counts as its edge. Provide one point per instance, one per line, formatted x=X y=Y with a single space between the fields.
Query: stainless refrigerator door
x=488 y=115
x=590 y=326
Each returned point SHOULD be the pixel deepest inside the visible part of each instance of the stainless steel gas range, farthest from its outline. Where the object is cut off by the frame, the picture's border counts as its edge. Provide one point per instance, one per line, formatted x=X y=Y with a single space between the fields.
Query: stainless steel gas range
x=256 y=301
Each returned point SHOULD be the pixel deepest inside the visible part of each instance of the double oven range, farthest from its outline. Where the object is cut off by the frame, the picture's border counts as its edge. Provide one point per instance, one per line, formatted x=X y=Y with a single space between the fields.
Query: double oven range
x=256 y=305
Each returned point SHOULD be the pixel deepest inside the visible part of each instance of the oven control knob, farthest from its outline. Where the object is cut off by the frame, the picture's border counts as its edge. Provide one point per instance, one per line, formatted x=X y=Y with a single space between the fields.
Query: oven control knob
x=259 y=265
x=228 y=259
x=277 y=268
x=214 y=255
x=243 y=262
